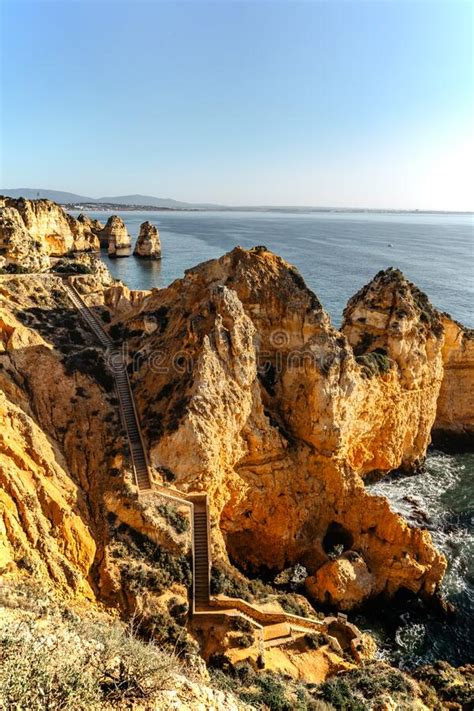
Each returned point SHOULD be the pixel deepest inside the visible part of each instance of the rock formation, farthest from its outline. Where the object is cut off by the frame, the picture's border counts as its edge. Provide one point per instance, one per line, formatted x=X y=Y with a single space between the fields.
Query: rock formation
x=248 y=392
x=148 y=243
x=115 y=237
x=31 y=231
x=19 y=246
x=454 y=424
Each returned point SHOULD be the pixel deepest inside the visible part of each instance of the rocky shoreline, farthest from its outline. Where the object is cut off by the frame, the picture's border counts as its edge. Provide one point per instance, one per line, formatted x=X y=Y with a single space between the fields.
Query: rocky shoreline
x=245 y=391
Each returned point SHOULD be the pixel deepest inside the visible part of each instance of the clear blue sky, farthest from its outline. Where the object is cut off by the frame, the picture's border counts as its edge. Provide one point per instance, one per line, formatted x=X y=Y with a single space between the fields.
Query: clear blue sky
x=309 y=103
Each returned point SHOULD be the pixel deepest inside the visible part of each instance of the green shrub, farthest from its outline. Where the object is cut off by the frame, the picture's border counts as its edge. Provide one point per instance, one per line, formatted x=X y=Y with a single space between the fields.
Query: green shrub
x=270 y=692
x=178 y=610
x=225 y=581
x=365 y=341
x=374 y=363
x=144 y=553
x=176 y=519
x=245 y=640
x=240 y=624
x=167 y=474
x=291 y=605
x=15 y=269
x=313 y=640
x=65 y=266
x=338 y=693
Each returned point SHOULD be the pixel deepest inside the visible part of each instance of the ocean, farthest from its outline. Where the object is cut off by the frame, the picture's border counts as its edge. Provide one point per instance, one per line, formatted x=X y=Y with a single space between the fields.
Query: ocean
x=337 y=253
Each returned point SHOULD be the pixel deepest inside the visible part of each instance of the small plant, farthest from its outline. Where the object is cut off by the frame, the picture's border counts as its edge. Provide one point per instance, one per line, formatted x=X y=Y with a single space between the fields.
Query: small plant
x=175 y=518
x=313 y=640
x=240 y=624
x=65 y=266
x=245 y=640
x=338 y=693
x=374 y=363
x=270 y=693
x=292 y=606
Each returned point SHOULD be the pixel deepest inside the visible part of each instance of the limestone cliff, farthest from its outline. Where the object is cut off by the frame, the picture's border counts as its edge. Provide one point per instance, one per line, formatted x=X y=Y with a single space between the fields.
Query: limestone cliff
x=247 y=391
x=397 y=339
x=115 y=237
x=148 y=243
x=455 y=412
x=33 y=230
x=62 y=447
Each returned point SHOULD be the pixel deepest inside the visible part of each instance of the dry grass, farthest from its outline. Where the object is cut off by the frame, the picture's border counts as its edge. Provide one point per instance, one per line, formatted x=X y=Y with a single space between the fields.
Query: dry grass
x=52 y=658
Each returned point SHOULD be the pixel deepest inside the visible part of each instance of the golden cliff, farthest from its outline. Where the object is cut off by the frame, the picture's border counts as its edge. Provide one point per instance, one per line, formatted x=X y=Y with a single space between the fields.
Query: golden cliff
x=454 y=424
x=70 y=516
x=246 y=391
x=31 y=231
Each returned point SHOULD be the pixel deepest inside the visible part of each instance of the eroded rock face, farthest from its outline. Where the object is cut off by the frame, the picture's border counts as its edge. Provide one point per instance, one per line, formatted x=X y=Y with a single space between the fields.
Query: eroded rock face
x=69 y=516
x=455 y=411
x=148 y=243
x=21 y=248
x=115 y=237
x=247 y=391
x=33 y=230
x=397 y=339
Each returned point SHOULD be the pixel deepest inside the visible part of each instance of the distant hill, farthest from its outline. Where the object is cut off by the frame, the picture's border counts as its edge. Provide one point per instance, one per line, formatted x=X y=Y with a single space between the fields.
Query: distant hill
x=67 y=198
x=147 y=200
x=36 y=193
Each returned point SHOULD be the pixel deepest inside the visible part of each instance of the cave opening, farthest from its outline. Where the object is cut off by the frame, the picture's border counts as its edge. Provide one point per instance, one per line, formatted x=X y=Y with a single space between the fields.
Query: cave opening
x=337 y=538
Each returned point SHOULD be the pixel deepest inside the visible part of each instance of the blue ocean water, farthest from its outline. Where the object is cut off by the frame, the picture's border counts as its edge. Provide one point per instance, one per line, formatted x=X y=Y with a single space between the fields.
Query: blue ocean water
x=337 y=253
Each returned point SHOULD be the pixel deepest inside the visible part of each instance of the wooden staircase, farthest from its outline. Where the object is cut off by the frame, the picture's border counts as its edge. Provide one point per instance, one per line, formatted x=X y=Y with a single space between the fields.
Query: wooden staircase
x=273 y=629
x=118 y=366
x=202 y=554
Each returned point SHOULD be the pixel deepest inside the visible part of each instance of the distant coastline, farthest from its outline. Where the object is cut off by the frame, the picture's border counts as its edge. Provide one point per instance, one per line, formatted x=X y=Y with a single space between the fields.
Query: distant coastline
x=107 y=207
x=149 y=203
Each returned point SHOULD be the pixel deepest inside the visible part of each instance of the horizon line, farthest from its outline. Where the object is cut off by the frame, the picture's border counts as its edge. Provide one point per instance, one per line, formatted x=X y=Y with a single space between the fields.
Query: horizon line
x=268 y=206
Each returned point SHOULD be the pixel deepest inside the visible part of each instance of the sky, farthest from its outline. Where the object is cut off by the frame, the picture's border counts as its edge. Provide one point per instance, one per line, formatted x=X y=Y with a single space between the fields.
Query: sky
x=347 y=104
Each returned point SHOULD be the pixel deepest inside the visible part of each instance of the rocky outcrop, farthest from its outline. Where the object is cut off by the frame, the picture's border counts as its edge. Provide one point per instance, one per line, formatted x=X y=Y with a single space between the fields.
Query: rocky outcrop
x=91 y=225
x=19 y=246
x=115 y=237
x=343 y=583
x=246 y=391
x=397 y=338
x=454 y=424
x=68 y=513
x=148 y=243
x=31 y=231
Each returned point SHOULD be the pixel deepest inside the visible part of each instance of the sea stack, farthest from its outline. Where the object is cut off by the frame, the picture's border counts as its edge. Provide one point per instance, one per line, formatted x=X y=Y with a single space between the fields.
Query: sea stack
x=115 y=237
x=148 y=243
